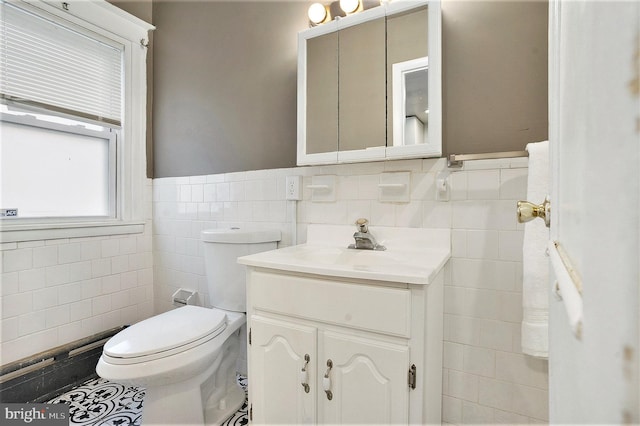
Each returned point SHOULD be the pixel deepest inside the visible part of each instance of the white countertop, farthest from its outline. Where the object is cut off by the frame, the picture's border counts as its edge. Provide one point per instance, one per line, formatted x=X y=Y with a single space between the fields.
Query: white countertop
x=413 y=255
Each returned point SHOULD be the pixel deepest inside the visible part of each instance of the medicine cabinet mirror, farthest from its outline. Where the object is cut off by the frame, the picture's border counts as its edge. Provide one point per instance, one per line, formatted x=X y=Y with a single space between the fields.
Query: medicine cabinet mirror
x=410 y=103
x=369 y=85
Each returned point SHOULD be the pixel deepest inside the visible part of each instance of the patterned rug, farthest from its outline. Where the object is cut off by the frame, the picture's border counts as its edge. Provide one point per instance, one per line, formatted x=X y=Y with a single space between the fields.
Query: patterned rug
x=99 y=402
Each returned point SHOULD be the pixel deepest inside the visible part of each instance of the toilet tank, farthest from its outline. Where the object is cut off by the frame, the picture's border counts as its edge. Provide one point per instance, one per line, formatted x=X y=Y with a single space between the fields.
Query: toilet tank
x=226 y=278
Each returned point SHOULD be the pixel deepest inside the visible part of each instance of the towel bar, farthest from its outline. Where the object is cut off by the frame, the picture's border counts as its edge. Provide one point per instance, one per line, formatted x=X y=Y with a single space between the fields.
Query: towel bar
x=456 y=160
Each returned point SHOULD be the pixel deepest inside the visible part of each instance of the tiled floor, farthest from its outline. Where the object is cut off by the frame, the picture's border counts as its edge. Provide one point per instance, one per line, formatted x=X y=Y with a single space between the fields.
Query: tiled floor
x=99 y=402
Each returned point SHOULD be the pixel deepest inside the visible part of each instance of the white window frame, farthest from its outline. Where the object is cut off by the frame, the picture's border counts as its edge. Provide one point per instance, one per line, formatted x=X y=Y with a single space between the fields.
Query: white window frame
x=113 y=23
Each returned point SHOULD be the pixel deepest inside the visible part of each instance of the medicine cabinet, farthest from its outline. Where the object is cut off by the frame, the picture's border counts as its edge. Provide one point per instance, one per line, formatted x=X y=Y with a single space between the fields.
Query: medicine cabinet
x=369 y=85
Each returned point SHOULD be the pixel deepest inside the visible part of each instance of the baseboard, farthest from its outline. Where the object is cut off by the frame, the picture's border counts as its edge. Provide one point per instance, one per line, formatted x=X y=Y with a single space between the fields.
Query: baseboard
x=48 y=374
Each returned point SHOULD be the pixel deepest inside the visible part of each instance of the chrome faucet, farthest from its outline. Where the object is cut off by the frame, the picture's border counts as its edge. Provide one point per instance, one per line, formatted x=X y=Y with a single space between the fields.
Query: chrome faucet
x=364 y=239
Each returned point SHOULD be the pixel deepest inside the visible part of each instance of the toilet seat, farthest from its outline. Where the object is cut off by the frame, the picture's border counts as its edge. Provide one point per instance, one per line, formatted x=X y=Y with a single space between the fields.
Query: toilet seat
x=164 y=335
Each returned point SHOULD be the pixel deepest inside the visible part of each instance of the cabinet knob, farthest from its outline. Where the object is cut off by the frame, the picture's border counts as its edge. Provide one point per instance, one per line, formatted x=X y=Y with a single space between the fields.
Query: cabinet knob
x=304 y=374
x=326 y=381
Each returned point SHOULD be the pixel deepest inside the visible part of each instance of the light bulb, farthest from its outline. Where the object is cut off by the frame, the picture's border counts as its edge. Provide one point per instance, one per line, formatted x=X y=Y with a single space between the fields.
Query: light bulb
x=349 y=6
x=317 y=13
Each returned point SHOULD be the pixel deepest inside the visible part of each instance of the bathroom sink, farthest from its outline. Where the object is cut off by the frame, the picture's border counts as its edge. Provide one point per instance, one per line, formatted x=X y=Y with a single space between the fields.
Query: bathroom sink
x=413 y=255
x=360 y=259
x=342 y=256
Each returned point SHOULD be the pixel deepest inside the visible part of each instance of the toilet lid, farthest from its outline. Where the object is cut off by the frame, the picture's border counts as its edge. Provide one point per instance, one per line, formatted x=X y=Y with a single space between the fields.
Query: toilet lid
x=162 y=334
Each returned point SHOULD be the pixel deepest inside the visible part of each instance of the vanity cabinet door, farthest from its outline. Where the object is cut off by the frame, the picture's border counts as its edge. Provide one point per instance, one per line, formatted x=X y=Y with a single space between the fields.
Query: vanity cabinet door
x=276 y=393
x=368 y=381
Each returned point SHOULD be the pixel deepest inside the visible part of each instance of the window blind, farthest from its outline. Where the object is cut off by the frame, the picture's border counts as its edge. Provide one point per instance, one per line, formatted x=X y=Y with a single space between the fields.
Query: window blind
x=46 y=64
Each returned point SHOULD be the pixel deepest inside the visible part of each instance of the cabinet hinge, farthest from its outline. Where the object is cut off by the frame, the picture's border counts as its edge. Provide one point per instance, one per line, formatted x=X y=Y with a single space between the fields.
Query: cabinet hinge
x=249 y=336
x=251 y=412
x=412 y=376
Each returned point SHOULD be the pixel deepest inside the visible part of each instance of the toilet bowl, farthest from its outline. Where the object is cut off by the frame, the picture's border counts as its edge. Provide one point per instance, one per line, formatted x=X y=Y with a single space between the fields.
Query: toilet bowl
x=186 y=358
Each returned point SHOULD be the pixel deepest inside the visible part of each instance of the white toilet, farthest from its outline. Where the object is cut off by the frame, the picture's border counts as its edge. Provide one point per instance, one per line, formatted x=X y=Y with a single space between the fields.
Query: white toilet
x=186 y=358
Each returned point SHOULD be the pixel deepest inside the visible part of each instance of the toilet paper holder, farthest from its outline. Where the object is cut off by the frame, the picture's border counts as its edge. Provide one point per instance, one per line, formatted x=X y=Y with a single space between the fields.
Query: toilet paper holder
x=183 y=297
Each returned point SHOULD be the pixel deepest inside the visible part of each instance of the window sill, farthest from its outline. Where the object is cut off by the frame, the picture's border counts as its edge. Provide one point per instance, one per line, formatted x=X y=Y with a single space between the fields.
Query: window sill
x=10 y=233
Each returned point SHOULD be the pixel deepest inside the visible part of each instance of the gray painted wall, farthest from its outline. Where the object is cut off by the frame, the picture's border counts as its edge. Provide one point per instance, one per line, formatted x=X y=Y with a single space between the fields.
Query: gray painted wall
x=225 y=85
x=494 y=75
x=225 y=81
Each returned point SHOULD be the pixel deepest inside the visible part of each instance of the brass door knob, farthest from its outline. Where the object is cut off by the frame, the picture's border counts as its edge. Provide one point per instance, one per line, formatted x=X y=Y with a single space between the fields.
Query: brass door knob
x=528 y=211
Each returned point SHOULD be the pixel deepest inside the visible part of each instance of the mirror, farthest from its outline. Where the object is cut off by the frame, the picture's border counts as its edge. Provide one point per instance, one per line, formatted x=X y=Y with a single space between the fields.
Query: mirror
x=410 y=102
x=322 y=96
x=362 y=114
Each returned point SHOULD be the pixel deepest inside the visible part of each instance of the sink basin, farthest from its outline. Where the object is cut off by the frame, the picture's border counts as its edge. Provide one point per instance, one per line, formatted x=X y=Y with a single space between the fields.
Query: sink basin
x=360 y=259
x=413 y=256
x=344 y=256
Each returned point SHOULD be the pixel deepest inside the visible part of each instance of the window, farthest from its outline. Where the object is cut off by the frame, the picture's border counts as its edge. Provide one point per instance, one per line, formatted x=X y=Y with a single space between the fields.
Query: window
x=70 y=169
x=72 y=119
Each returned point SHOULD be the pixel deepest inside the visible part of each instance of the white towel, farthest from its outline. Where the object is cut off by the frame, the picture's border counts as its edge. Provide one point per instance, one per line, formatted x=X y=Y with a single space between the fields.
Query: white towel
x=535 y=263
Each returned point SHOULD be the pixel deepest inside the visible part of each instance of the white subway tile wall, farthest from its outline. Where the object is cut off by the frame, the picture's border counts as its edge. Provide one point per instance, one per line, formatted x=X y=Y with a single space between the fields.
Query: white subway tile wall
x=486 y=378
x=56 y=291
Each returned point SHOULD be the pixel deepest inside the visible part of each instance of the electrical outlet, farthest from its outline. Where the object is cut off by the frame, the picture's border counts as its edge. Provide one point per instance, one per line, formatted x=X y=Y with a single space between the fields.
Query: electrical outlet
x=293 y=185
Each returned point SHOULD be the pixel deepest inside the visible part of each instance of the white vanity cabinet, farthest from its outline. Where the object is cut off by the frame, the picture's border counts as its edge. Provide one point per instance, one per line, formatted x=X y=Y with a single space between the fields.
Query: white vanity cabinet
x=332 y=350
x=366 y=380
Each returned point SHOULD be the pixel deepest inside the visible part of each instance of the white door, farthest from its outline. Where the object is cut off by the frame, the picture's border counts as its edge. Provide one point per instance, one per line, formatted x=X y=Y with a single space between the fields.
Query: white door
x=594 y=90
x=277 y=355
x=367 y=380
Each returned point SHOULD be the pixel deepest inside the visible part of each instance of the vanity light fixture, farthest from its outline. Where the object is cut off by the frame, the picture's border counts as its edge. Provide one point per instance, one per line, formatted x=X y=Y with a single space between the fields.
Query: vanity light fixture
x=349 y=6
x=318 y=14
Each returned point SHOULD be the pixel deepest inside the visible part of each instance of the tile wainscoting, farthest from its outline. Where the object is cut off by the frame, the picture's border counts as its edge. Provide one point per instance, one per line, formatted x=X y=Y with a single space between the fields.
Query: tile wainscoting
x=56 y=291
x=486 y=378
